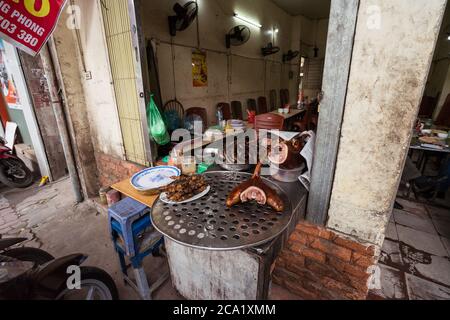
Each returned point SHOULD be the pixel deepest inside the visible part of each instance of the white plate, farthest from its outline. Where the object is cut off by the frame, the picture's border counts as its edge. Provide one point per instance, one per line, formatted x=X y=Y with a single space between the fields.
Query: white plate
x=154 y=178
x=163 y=197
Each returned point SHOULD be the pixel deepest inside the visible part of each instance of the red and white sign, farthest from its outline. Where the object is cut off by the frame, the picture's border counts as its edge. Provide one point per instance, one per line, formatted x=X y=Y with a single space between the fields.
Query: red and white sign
x=28 y=24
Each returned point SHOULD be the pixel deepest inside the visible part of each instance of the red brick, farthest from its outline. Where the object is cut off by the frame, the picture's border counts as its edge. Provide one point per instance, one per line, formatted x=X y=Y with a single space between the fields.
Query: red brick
x=336 y=286
x=314 y=230
x=299 y=237
x=355 y=246
x=331 y=248
x=336 y=263
x=359 y=284
x=362 y=260
x=292 y=259
x=277 y=279
x=308 y=252
x=280 y=263
x=300 y=291
x=285 y=275
x=356 y=271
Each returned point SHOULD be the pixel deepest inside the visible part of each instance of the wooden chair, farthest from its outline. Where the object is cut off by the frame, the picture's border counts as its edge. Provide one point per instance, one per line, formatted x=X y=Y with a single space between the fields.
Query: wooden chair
x=287 y=96
x=176 y=106
x=269 y=121
x=201 y=112
x=226 y=110
x=262 y=105
x=309 y=120
x=284 y=97
x=251 y=105
x=273 y=100
x=236 y=110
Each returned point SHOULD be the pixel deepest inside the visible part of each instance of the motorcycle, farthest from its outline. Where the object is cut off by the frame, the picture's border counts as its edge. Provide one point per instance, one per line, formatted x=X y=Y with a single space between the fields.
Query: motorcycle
x=34 y=274
x=13 y=172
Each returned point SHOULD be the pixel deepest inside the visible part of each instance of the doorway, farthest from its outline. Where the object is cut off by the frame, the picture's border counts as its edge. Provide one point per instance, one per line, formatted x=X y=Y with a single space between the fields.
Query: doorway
x=16 y=107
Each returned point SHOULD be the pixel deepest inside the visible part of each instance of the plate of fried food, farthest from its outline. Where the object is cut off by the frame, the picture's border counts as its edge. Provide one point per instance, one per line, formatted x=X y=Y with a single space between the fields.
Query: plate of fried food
x=184 y=189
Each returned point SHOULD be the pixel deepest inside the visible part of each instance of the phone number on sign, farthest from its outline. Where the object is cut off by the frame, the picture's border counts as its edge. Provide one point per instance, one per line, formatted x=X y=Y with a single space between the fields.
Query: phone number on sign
x=11 y=28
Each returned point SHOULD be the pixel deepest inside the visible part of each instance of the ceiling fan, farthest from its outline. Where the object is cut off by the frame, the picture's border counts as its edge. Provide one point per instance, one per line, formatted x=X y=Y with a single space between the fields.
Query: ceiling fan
x=237 y=36
x=184 y=16
x=269 y=49
x=290 y=55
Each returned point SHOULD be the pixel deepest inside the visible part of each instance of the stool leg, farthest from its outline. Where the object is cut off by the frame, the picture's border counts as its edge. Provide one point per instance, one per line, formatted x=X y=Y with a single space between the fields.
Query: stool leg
x=142 y=283
x=123 y=264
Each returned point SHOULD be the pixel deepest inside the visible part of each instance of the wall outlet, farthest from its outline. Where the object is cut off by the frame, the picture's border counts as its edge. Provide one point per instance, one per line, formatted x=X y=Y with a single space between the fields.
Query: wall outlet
x=88 y=75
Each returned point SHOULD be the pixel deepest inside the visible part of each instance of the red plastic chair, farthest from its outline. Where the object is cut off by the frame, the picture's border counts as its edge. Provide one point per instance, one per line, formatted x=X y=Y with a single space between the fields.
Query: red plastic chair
x=273 y=100
x=262 y=105
x=236 y=110
x=269 y=121
x=200 y=112
x=226 y=110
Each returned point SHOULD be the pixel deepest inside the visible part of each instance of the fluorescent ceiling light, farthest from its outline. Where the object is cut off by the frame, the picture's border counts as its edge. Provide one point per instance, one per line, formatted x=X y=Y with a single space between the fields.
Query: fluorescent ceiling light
x=253 y=23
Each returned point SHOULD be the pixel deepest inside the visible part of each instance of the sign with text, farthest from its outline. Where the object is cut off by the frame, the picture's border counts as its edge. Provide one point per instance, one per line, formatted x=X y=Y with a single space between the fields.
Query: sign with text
x=28 y=24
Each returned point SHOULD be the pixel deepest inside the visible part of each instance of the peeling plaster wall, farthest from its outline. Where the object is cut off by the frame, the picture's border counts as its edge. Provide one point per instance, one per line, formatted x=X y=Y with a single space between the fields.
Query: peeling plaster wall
x=99 y=91
x=89 y=107
x=388 y=74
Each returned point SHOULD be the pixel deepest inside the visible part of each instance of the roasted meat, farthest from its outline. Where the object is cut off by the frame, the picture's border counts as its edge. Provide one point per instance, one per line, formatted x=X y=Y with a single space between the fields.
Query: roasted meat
x=255 y=189
x=185 y=187
x=286 y=154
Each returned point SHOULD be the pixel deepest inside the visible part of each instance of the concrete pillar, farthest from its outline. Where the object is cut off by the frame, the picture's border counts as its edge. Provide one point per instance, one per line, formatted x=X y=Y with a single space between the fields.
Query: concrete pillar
x=394 y=45
x=69 y=60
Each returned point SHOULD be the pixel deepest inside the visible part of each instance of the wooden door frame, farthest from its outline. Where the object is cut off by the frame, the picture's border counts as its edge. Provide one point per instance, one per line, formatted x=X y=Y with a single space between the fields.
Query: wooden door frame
x=142 y=81
x=341 y=35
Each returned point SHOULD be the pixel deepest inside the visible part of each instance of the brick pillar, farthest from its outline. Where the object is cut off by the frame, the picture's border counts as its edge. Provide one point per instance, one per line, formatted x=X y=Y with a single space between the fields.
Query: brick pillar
x=318 y=263
x=112 y=170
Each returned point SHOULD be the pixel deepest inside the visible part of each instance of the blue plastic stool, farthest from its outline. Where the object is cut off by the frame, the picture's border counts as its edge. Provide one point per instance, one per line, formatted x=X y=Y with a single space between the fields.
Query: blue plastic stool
x=135 y=238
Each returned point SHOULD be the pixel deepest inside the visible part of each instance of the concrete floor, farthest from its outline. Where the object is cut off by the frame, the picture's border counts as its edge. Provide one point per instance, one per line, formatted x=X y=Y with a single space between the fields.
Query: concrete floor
x=415 y=261
x=48 y=218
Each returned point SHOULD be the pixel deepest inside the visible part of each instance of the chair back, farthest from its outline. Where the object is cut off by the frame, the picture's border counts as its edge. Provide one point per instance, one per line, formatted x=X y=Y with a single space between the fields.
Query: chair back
x=269 y=121
x=273 y=100
x=174 y=106
x=201 y=112
x=262 y=105
x=236 y=110
x=284 y=97
x=226 y=110
x=251 y=105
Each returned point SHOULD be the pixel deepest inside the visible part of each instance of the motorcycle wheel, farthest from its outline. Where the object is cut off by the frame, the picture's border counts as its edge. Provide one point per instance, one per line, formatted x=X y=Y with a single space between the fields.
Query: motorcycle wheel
x=38 y=256
x=96 y=284
x=15 y=174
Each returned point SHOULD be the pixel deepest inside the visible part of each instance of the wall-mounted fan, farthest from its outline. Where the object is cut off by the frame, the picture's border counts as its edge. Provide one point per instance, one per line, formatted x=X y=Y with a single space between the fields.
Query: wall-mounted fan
x=185 y=15
x=290 y=55
x=269 y=49
x=237 y=36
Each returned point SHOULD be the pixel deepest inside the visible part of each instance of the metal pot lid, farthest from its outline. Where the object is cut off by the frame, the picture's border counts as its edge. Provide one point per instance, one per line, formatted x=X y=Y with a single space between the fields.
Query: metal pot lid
x=208 y=224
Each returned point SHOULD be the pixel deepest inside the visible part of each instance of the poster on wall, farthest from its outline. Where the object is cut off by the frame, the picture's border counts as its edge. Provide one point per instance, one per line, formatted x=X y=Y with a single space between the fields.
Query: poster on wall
x=8 y=85
x=199 y=69
x=28 y=24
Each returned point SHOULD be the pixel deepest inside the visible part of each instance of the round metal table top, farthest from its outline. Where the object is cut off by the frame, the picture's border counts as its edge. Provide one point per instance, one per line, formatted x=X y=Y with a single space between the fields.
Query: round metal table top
x=208 y=223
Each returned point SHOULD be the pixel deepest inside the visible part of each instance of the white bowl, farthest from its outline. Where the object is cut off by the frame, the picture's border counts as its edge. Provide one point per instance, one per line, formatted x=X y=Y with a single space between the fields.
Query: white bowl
x=442 y=135
x=426 y=131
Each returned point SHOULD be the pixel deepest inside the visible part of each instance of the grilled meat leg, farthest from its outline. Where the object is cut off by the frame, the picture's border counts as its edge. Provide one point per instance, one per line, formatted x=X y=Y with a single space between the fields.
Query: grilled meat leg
x=255 y=189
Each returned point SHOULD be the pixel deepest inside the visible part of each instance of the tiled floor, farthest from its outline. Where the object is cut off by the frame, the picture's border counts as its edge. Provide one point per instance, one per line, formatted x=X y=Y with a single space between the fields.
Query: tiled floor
x=415 y=259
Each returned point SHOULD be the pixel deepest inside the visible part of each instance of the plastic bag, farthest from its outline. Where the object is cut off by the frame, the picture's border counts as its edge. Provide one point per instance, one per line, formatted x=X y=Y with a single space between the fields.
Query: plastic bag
x=156 y=125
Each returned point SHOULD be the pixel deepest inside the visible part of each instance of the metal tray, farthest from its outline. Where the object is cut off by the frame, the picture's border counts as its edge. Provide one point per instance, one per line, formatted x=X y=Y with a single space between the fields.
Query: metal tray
x=208 y=224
